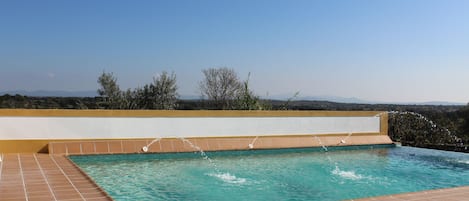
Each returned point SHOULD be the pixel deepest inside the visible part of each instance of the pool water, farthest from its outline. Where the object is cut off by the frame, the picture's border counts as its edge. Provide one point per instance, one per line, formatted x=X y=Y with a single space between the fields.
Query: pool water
x=284 y=174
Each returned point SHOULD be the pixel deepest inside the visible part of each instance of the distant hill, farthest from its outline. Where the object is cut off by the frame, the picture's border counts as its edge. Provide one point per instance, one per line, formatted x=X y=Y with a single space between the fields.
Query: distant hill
x=354 y=100
x=336 y=99
x=44 y=93
x=440 y=103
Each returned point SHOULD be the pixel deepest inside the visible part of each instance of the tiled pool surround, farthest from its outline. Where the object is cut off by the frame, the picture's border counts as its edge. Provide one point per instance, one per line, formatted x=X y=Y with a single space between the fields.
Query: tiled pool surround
x=45 y=177
x=447 y=194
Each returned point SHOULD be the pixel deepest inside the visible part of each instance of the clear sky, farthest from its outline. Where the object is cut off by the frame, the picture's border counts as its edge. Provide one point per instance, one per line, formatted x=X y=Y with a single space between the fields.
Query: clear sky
x=379 y=50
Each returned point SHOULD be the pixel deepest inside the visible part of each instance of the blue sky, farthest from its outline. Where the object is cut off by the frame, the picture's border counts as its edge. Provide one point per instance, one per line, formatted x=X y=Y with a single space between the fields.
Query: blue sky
x=379 y=50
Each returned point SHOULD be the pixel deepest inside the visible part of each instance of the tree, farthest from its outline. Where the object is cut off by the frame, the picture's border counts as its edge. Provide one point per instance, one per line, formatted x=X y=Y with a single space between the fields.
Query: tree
x=109 y=90
x=464 y=128
x=247 y=100
x=129 y=100
x=161 y=94
x=143 y=97
x=164 y=91
x=220 y=86
x=287 y=103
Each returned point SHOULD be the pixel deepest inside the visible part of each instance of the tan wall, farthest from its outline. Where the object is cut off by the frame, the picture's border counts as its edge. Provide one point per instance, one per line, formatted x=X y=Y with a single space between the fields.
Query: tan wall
x=135 y=144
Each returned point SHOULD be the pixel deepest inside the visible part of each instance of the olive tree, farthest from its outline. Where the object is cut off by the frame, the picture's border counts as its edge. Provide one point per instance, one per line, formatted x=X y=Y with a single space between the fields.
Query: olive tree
x=160 y=94
x=109 y=90
x=129 y=100
x=164 y=91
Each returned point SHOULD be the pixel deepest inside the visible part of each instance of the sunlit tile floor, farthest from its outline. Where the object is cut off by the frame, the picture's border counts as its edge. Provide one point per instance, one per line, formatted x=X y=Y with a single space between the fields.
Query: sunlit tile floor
x=448 y=194
x=45 y=177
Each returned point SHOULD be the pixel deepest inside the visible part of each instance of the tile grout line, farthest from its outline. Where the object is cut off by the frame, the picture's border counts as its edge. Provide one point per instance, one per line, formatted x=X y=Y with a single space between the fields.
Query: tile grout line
x=44 y=175
x=22 y=177
x=2 y=159
x=66 y=176
x=51 y=148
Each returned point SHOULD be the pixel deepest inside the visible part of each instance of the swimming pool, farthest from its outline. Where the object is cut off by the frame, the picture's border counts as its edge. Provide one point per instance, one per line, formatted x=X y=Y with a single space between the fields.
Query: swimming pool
x=283 y=174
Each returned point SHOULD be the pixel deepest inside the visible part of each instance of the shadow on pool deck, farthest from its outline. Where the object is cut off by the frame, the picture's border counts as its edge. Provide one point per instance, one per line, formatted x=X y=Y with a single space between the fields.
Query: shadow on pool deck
x=53 y=177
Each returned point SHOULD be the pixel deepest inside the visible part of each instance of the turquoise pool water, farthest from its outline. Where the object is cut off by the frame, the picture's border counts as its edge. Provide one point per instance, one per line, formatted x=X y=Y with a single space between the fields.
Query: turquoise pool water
x=288 y=174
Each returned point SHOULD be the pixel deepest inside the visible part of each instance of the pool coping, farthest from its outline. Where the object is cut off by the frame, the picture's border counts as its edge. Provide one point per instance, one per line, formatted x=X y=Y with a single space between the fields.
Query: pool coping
x=32 y=176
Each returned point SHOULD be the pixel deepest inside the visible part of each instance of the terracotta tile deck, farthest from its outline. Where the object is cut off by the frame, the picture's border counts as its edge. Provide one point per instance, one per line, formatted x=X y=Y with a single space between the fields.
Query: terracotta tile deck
x=46 y=177
x=41 y=177
x=447 y=194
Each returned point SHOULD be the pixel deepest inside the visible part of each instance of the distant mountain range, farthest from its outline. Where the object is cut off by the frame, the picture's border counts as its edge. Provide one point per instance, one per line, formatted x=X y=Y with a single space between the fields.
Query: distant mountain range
x=337 y=99
x=45 y=93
